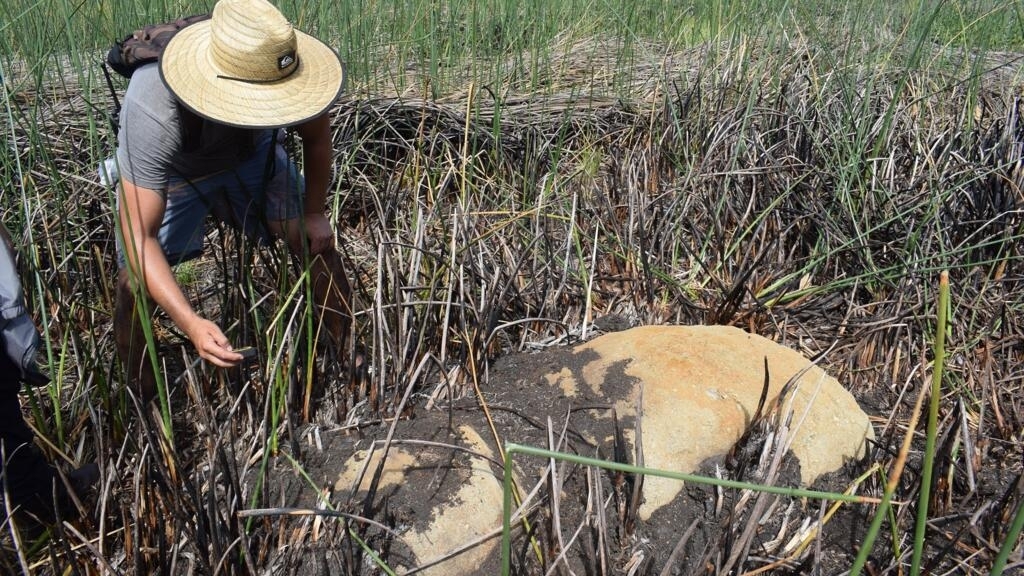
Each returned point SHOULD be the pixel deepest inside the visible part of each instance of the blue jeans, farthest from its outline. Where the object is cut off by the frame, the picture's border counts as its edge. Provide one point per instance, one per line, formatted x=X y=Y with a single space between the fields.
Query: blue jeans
x=245 y=197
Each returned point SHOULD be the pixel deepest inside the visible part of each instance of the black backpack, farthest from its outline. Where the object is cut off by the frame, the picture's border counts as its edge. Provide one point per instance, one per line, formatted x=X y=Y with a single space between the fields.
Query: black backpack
x=138 y=48
x=146 y=44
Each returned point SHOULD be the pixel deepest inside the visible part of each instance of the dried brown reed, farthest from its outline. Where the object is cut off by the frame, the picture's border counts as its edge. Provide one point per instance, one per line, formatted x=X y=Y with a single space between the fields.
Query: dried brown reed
x=810 y=204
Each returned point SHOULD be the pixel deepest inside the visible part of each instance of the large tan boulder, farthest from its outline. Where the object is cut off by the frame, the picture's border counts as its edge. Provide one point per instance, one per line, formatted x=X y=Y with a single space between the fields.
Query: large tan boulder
x=701 y=386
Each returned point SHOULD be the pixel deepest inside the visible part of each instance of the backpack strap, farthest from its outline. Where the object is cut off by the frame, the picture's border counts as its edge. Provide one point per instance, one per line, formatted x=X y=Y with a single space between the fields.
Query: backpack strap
x=114 y=116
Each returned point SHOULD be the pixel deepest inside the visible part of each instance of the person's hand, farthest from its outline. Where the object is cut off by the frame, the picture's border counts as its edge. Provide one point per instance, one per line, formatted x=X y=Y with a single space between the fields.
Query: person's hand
x=318 y=233
x=211 y=343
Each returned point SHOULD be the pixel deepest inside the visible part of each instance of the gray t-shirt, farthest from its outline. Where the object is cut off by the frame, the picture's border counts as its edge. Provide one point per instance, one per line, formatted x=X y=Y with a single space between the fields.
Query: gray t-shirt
x=158 y=140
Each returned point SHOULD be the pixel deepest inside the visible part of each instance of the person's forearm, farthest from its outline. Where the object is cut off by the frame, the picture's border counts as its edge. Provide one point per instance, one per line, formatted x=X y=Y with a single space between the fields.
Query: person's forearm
x=317 y=156
x=159 y=282
x=317 y=160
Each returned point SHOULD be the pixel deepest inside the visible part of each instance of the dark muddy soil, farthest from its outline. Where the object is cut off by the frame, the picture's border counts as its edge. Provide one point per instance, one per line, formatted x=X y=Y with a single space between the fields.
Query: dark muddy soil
x=595 y=521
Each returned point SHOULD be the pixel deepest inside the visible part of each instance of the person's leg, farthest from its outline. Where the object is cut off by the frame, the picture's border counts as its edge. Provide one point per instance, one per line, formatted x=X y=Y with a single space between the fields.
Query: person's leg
x=28 y=478
x=263 y=201
x=181 y=237
x=131 y=340
x=331 y=292
x=33 y=489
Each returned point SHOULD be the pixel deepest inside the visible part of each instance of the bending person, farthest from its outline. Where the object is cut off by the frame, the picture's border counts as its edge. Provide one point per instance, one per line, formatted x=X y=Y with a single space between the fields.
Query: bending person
x=199 y=135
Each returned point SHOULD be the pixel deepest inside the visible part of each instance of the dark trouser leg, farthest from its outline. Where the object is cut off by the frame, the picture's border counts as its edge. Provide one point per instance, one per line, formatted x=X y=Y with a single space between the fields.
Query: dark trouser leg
x=131 y=341
x=28 y=478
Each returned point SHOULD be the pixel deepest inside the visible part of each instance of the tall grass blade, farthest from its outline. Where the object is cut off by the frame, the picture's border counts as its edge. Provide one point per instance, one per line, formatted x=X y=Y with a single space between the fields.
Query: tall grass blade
x=921 y=526
x=883 y=509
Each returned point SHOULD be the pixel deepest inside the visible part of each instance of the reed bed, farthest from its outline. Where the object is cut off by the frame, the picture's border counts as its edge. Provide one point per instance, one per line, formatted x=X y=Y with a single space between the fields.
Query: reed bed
x=501 y=194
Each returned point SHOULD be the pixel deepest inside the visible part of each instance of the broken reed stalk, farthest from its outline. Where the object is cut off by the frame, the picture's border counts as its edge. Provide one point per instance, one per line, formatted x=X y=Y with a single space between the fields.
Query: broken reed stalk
x=933 y=417
x=323 y=512
x=810 y=535
x=901 y=459
x=512 y=448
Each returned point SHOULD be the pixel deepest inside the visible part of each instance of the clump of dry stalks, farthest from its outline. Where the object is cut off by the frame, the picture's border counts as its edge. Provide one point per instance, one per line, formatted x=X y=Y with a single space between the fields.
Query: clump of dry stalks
x=813 y=206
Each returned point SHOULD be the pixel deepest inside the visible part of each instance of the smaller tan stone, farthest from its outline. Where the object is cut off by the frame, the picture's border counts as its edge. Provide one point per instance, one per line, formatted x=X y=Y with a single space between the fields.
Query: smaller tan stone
x=474 y=509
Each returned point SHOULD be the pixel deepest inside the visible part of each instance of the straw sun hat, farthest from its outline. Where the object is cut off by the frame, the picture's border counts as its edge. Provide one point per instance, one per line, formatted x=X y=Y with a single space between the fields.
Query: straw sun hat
x=247 y=66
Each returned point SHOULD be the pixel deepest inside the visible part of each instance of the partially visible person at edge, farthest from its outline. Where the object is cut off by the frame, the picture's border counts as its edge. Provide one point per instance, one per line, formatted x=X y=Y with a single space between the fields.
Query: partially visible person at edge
x=36 y=496
x=200 y=134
